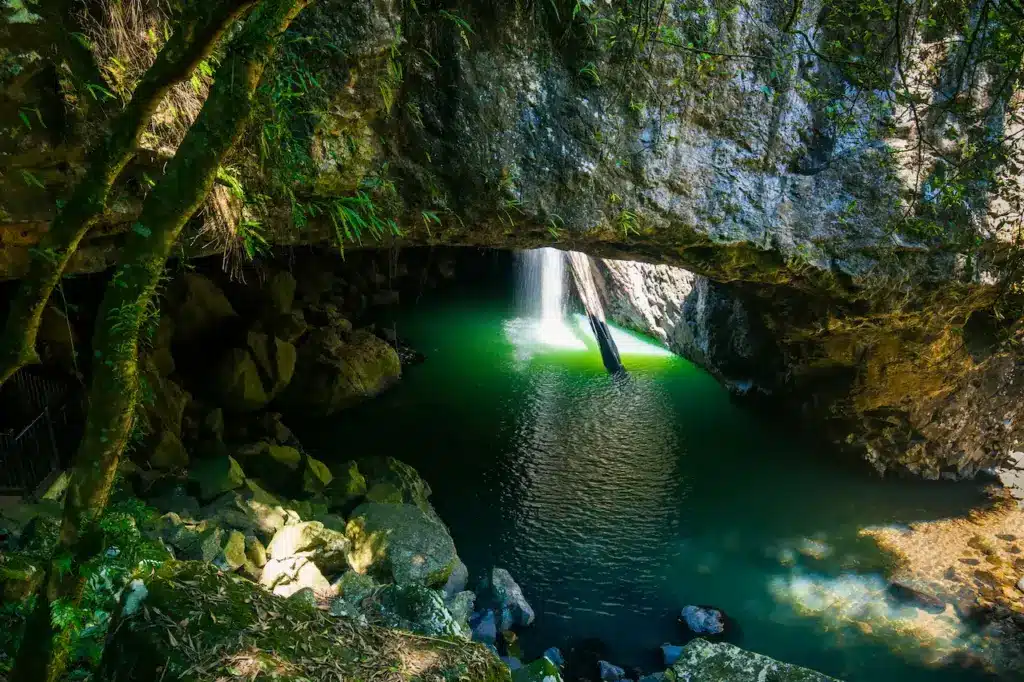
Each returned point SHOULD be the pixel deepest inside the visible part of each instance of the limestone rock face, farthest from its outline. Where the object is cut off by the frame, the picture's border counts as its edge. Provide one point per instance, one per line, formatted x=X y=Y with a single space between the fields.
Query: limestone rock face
x=401 y=542
x=907 y=394
x=333 y=373
x=702 y=660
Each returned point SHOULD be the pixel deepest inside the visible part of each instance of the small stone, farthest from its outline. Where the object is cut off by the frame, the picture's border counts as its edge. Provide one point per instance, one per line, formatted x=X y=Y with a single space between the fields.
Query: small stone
x=703 y=621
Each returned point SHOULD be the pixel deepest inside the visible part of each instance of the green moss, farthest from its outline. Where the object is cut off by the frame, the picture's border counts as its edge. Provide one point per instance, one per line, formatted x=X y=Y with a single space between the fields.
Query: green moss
x=234 y=628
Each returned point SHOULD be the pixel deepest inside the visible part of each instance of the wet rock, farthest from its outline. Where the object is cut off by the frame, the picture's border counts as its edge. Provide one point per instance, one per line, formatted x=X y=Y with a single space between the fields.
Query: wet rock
x=703 y=620
x=332 y=373
x=485 y=627
x=400 y=542
x=215 y=476
x=704 y=660
x=906 y=594
x=508 y=596
x=670 y=653
x=609 y=672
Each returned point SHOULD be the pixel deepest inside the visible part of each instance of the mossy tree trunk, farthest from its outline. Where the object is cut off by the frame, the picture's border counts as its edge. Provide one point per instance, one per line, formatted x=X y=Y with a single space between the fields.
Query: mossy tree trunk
x=114 y=389
x=190 y=43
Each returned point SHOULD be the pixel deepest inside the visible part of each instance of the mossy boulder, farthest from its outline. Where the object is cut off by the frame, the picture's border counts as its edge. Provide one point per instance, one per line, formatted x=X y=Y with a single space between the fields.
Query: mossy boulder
x=215 y=476
x=392 y=480
x=166 y=452
x=543 y=670
x=199 y=308
x=418 y=609
x=346 y=488
x=333 y=373
x=247 y=379
x=234 y=628
x=703 y=660
x=281 y=464
x=327 y=548
x=401 y=543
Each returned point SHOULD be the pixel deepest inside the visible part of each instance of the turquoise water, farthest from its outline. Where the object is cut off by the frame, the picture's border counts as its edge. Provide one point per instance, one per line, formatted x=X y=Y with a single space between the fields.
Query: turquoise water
x=616 y=502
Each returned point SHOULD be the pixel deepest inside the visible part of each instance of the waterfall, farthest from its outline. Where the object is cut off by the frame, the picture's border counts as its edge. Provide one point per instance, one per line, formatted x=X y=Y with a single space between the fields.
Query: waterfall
x=541 y=286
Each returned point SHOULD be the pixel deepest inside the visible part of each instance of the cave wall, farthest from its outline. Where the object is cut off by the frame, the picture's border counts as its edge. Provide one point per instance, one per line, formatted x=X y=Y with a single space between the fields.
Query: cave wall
x=522 y=124
x=934 y=398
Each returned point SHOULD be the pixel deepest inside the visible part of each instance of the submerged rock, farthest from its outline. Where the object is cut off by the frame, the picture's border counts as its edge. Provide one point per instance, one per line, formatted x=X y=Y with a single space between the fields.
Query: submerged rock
x=226 y=619
x=907 y=594
x=670 y=653
x=402 y=543
x=703 y=620
x=702 y=660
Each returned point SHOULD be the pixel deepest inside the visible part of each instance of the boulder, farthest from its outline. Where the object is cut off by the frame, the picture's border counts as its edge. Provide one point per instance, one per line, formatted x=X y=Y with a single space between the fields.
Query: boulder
x=247 y=379
x=316 y=477
x=166 y=453
x=353 y=588
x=255 y=552
x=290 y=327
x=285 y=577
x=461 y=607
x=232 y=554
x=457 y=581
x=508 y=596
x=251 y=510
x=609 y=672
x=418 y=609
x=391 y=474
x=541 y=670
x=347 y=488
x=384 y=493
x=215 y=476
x=485 y=627
x=281 y=464
x=328 y=549
x=305 y=596
x=199 y=308
x=225 y=619
x=703 y=620
x=704 y=660
x=400 y=542
x=332 y=373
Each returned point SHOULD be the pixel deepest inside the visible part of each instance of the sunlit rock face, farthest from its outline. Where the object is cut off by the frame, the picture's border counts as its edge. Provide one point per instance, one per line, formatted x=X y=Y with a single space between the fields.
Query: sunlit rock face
x=914 y=399
x=522 y=124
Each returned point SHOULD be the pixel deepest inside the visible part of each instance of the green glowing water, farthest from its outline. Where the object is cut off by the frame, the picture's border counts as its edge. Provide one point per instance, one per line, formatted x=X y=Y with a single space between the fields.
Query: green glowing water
x=615 y=503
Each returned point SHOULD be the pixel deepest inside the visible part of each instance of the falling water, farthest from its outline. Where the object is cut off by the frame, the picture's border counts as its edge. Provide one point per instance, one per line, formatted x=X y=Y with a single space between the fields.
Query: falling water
x=541 y=286
x=544 y=322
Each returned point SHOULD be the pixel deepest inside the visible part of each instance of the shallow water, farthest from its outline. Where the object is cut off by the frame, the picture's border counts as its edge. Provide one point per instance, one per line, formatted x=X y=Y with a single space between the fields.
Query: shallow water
x=616 y=502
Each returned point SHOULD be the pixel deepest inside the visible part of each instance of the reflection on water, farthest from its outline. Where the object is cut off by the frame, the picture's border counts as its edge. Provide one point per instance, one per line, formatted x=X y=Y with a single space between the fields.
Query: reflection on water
x=616 y=502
